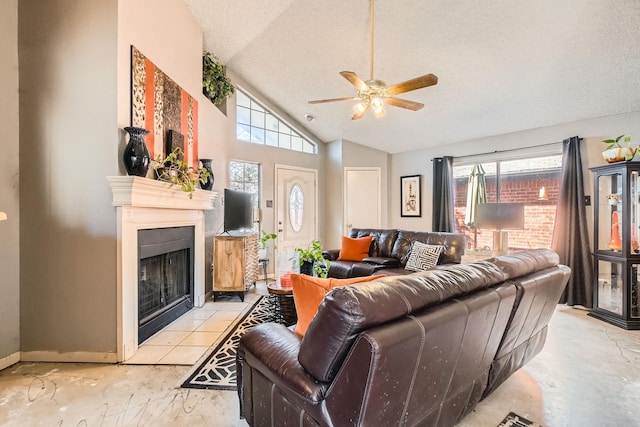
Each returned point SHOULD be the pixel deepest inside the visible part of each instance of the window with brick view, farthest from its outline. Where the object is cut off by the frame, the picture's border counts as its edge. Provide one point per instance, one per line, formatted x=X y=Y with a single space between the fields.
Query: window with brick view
x=533 y=181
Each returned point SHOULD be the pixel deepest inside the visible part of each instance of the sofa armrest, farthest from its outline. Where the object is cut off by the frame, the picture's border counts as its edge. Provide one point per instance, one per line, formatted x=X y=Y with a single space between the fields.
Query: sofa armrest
x=387 y=262
x=331 y=254
x=272 y=349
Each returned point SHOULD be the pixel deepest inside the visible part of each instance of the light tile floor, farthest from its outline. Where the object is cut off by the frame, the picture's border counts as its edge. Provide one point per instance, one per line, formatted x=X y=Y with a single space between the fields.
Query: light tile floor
x=190 y=337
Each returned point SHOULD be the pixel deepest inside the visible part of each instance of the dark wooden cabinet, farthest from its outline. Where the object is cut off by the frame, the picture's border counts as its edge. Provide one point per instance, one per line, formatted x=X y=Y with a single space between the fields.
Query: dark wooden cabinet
x=617 y=251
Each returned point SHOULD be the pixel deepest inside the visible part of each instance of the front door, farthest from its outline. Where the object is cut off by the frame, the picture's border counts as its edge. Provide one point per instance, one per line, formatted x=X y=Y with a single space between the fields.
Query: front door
x=296 y=204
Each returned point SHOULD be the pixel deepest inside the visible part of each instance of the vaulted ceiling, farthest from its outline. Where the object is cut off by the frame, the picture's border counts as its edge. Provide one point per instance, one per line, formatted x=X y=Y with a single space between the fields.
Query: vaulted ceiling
x=503 y=66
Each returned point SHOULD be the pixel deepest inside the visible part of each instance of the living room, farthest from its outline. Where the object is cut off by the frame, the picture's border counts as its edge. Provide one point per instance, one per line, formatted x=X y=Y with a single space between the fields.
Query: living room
x=66 y=86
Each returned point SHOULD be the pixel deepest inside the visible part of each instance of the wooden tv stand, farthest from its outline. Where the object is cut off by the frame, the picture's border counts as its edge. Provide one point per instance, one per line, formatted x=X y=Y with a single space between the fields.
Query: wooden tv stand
x=235 y=263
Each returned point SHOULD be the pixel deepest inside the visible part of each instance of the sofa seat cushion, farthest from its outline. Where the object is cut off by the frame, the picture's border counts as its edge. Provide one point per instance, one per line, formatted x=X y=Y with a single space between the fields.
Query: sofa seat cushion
x=308 y=293
x=384 y=261
x=354 y=249
x=341 y=269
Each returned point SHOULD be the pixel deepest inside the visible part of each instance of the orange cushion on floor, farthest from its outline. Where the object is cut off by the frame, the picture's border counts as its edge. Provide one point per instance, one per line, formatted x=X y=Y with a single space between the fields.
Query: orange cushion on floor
x=354 y=249
x=309 y=291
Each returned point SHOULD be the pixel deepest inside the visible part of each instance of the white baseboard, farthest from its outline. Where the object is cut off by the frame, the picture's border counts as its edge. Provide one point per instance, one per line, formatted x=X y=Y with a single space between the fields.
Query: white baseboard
x=73 y=356
x=9 y=360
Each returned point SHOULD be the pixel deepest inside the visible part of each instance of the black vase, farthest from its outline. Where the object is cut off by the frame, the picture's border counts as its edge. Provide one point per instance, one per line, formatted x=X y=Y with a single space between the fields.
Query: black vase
x=306 y=268
x=136 y=155
x=206 y=163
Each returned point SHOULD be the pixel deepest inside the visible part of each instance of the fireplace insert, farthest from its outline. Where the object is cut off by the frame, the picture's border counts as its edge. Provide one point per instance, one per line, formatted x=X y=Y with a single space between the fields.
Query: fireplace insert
x=165 y=280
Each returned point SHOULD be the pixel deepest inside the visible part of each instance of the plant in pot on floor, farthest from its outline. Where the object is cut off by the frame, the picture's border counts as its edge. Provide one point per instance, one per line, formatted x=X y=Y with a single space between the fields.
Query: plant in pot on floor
x=262 y=243
x=312 y=263
x=175 y=170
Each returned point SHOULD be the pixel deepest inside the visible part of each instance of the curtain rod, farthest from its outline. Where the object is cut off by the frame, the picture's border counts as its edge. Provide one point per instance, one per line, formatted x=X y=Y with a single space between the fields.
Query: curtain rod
x=509 y=150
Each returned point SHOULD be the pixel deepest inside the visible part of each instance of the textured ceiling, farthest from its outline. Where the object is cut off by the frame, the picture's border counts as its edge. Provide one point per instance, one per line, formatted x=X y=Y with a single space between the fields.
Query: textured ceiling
x=503 y=66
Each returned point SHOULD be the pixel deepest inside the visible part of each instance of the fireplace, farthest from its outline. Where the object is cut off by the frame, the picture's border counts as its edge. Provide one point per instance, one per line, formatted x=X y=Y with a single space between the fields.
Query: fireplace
x=143 y=205
x=165 y=282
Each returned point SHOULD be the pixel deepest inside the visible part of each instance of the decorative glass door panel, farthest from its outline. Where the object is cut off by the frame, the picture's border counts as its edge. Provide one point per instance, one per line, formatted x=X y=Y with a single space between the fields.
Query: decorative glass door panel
x=610 y=286
x=610 y=204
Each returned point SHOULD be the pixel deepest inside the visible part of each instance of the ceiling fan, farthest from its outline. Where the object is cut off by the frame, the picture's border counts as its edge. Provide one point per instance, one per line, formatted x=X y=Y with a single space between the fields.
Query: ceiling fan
x=375 y=93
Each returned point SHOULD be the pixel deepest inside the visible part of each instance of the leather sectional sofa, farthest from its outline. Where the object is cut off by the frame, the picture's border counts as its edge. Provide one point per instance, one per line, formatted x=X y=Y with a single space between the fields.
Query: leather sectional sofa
x=414 y=350
x=389 y=252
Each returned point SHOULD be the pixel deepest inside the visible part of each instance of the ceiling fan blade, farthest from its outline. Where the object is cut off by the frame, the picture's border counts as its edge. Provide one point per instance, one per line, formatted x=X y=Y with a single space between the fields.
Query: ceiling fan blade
x=354 y=80
x=320 y=101
x=413 y=84
x=403 y=103
x=358 y=115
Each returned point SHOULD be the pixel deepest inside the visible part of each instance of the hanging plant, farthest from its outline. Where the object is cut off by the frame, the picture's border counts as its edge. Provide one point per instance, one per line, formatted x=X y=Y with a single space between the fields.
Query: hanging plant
x=215 y=84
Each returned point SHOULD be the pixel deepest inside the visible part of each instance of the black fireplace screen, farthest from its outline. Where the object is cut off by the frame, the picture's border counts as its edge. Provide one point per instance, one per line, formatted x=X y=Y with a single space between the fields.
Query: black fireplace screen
x=165 y=281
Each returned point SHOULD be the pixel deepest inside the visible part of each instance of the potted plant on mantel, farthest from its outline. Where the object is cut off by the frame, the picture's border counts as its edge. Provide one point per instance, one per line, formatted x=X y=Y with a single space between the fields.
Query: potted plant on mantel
x=175 y=170
x=311 y=260
x=617 y=152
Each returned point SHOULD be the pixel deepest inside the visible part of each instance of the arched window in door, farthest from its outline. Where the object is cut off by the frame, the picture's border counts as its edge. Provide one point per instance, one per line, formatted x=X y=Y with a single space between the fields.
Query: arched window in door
x=296 y=208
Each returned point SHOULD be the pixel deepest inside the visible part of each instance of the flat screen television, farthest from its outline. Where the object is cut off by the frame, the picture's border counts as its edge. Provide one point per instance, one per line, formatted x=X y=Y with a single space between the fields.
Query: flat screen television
x=238 y=211
x=500 y=216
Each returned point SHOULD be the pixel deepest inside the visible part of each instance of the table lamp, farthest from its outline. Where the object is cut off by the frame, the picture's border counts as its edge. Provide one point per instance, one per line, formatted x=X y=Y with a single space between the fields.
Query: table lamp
x=500 y=217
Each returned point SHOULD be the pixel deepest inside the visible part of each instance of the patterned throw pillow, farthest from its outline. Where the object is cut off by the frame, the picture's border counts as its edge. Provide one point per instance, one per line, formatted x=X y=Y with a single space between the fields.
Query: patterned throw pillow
x=423 y=257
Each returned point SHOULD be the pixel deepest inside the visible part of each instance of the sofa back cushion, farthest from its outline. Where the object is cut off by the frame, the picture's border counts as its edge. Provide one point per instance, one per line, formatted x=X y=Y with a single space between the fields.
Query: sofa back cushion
x=382 y=242
x=453 y=244
x=346 y=311
x=308 y=293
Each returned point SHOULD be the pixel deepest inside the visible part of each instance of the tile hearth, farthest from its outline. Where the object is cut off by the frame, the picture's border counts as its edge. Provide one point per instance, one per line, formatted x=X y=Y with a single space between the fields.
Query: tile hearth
x=188 y=338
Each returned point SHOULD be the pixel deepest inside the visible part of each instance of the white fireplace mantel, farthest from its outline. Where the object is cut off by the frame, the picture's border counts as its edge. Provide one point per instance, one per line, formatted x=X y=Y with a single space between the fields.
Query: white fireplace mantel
x=146 y=204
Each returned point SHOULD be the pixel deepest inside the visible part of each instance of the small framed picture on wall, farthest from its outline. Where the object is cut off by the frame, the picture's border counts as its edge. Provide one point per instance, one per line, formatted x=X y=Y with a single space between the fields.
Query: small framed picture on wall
x=411 y=195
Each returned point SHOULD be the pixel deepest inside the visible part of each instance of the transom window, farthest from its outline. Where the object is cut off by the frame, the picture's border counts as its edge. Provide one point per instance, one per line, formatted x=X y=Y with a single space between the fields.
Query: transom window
x=256 y=124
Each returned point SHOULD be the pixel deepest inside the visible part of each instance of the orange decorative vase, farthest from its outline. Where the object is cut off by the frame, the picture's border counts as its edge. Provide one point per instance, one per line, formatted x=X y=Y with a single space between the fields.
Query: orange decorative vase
x=615 y=244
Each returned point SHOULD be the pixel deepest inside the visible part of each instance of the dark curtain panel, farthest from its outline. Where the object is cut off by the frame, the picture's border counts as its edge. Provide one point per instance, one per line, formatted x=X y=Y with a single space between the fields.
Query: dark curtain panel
x=443 y=215
x=570 y=234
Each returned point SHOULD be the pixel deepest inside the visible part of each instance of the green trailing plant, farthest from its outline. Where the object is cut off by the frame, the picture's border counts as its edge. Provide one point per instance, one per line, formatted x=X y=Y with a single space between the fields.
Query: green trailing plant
x=615 y=143
x=313 y=254
x=175 y=170
x=215 y=84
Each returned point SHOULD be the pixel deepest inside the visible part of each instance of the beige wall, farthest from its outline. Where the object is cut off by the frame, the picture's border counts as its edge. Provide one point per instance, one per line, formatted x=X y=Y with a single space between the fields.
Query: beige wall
x=67 y=147
x=593 y=131
x=342 y=154
x=9 y=203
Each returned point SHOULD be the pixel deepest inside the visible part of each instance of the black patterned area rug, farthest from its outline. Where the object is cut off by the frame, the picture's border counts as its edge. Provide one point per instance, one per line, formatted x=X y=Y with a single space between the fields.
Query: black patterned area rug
x=515 y=420
x=218 y=371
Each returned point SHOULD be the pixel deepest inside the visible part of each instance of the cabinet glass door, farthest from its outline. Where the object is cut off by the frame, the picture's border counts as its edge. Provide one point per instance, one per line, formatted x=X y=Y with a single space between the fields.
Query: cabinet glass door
x=610 y=286
x=634 y=192
x=610 y=212
x=635 y=278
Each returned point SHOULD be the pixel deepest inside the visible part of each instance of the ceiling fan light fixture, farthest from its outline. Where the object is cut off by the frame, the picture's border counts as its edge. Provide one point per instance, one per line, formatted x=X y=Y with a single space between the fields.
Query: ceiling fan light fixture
x=377 y=103
x=360 y=107
x=379 y=112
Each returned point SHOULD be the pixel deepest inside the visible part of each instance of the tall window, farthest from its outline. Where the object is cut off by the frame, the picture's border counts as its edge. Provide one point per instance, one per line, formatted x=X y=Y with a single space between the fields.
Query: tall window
x=533 y=181
x=245 y=176
x=256 y=124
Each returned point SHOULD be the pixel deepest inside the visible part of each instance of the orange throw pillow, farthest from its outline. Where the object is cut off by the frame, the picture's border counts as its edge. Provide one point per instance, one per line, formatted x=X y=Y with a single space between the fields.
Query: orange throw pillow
x=354 y=249
x=309 y=291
